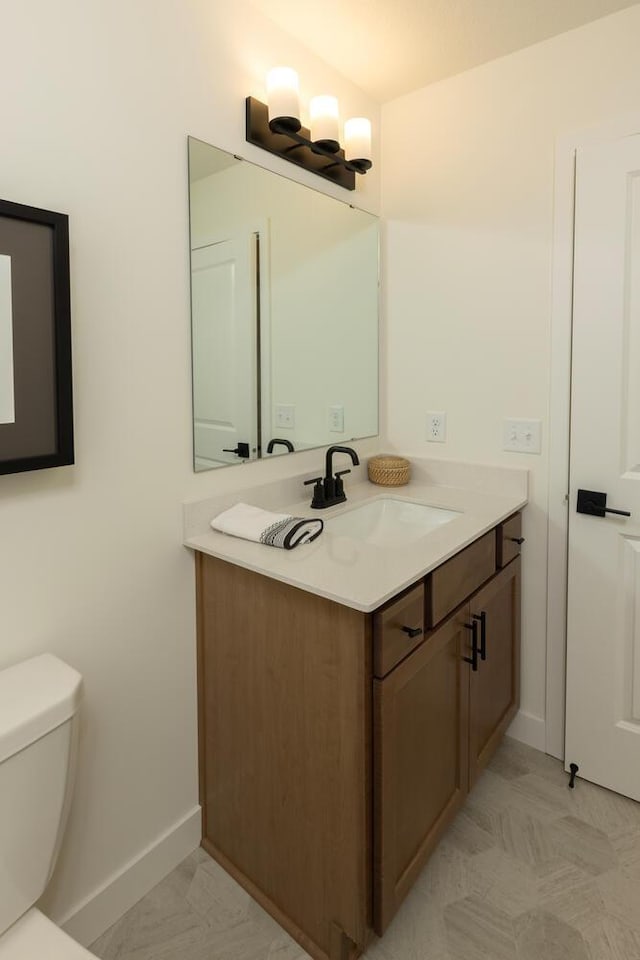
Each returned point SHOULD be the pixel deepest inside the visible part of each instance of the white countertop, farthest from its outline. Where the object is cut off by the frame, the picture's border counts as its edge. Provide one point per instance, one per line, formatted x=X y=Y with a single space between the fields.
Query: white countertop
x=358 y=574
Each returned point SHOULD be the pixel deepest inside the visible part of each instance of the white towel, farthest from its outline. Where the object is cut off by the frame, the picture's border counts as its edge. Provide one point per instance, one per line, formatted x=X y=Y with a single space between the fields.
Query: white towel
x=262 y=526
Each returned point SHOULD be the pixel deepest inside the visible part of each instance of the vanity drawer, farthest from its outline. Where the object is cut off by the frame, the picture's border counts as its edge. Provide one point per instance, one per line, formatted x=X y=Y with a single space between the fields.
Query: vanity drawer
x=459 y=577
x=397 y=630
x=508 y=533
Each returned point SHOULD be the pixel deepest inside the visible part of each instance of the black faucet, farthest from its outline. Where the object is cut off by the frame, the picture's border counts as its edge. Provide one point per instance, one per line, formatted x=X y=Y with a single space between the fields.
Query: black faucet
x=329 y=490
x=285 y=443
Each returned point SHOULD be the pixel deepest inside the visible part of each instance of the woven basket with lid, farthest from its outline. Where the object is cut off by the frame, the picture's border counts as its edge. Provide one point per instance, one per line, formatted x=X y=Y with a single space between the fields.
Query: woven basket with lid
x=388 y=471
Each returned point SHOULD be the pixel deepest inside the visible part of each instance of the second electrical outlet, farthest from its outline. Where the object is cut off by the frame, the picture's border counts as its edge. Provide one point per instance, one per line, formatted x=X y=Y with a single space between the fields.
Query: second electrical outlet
x=436 y=426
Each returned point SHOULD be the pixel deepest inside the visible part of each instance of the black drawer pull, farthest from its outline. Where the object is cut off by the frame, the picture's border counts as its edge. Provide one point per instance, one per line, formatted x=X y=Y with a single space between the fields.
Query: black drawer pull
x=517 y=540
x=481 y=618
x=473 y=659
x=412 y=631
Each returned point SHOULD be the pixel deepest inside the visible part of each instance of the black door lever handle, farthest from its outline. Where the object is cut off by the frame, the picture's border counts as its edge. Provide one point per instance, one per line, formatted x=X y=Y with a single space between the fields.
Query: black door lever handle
x=242 y=450
x=594 y=504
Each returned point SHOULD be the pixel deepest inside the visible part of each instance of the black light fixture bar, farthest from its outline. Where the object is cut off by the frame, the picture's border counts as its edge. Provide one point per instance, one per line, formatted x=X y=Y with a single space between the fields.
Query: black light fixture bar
x=297 y=147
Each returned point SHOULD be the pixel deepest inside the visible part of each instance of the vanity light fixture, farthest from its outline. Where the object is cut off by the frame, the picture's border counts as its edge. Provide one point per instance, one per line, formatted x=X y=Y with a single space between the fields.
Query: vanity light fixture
x=277 y=127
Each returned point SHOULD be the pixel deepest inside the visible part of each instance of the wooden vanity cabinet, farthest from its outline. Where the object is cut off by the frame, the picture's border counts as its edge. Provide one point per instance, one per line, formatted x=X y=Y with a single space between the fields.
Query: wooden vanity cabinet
x=336 y=746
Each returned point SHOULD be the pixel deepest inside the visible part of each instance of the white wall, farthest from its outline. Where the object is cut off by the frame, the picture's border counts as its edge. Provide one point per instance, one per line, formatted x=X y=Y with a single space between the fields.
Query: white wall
x=99 y=99
x=468 y=189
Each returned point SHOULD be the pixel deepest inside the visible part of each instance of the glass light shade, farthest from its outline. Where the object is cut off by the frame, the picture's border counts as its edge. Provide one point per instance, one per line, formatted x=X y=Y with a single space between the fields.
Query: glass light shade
x=324 y=121
x=357 y=139
x=283 y=97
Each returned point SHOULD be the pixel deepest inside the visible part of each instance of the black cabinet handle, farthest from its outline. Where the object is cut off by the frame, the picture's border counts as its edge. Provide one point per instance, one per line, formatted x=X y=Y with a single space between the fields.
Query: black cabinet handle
x=517 y=540
x=481 y=618
x=594 y=504
x=412 y=631
x=473 y=659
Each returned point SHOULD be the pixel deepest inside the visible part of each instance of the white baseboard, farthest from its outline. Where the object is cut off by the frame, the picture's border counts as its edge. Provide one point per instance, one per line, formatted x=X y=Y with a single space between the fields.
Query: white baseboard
x=95 y=914
x=529 y=729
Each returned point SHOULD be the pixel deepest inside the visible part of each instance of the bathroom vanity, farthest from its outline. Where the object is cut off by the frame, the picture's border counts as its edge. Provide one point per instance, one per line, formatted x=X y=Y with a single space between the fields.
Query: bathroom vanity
x=340 y=735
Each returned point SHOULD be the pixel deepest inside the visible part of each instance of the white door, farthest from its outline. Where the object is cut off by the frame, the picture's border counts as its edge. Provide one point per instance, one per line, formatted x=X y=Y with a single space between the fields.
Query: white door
x=224 y=325
x=603 y=640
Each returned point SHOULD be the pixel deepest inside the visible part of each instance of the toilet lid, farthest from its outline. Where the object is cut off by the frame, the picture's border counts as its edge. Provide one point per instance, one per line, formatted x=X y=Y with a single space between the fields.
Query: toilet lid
x=35 y=936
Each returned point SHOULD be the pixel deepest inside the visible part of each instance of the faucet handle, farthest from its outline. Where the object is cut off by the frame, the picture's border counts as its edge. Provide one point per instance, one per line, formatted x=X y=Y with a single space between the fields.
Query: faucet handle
x=339 y=487
x=319 y=493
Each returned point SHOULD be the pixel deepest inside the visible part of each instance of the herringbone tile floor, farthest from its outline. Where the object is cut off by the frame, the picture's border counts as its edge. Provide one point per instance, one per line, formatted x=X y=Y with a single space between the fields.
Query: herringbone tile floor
x=529 y=870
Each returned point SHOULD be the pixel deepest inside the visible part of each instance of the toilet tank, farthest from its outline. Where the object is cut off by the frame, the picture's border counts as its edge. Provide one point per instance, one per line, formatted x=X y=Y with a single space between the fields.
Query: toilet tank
x=39 y=699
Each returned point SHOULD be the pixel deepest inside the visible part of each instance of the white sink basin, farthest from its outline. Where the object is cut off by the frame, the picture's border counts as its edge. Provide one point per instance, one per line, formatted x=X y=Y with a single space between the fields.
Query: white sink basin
x=389 y=522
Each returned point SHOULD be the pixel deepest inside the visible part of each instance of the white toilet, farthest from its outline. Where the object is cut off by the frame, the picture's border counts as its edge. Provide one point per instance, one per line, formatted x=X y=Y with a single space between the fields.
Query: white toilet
x=38 y=705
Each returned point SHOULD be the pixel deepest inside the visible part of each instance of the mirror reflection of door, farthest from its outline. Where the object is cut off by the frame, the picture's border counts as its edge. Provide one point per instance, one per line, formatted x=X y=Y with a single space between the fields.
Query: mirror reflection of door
x=7 y=404
x=224 y=305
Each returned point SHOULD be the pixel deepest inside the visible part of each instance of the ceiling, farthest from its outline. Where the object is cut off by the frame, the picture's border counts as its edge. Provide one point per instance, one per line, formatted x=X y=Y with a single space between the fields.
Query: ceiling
x=390 y=47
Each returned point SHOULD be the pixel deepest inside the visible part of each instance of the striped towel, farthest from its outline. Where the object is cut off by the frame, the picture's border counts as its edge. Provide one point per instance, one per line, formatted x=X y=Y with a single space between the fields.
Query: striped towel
x=262 y=526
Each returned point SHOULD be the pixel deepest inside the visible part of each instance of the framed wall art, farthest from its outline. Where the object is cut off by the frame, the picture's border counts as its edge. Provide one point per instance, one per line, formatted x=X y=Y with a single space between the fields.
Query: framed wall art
x=36 y=398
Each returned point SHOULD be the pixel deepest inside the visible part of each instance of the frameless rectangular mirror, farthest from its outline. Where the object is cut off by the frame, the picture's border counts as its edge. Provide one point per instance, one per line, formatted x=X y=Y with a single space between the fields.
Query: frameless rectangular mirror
x=284 y=313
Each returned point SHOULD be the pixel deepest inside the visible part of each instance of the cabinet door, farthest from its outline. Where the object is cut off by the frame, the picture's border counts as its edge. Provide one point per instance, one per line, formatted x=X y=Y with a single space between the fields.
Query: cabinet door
x=420 y=760
x=495 y=686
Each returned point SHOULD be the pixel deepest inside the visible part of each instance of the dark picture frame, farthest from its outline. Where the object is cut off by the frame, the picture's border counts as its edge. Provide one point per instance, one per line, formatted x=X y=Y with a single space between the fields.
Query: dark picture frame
x=41 y=432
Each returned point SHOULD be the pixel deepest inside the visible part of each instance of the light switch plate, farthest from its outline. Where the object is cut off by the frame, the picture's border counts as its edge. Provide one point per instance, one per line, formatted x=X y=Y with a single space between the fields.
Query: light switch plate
x=336 y=418
x=522 y=436
x=285 y=415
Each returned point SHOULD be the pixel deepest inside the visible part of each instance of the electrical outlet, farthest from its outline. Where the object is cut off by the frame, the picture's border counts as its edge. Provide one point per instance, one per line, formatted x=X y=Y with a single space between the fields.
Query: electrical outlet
x=285 y=415
x=336 y=418
x=522 y=436
x=436 y=426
